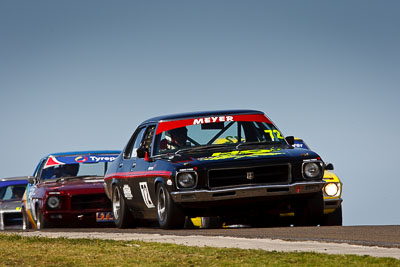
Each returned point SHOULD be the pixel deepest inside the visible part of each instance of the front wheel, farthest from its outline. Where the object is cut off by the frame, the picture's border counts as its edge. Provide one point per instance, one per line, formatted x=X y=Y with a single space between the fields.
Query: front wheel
x=123 y=218
x=168 y=213
x=41 y=222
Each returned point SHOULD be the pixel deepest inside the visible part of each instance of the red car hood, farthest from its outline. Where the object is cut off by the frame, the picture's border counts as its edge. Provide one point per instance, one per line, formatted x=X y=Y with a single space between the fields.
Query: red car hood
x=75 y=184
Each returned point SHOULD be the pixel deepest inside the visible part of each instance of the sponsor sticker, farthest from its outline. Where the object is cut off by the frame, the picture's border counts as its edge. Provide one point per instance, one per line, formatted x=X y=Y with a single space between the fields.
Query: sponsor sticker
x=127 y=192
x=169 y=125
x=54 y=161
x=104 y=217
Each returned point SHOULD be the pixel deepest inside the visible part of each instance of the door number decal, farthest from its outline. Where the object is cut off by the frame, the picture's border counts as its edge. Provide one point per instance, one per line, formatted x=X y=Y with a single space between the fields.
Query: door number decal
x=146 y=195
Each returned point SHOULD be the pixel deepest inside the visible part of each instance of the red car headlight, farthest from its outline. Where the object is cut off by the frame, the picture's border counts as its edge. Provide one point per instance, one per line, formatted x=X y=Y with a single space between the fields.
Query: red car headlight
x=53 y=202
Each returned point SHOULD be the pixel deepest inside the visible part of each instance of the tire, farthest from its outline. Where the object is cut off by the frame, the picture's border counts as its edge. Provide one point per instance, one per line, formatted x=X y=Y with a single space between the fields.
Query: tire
x=309 y=211
x=41 y=222
x=211 y=222
x=334 y=218
x=26 y=224
x=169 y=215
x=123 y=218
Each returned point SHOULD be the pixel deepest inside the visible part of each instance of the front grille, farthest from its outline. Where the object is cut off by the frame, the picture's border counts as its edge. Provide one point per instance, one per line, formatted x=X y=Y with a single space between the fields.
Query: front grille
x=92 y=201
x=12 y=218
x=272 y=174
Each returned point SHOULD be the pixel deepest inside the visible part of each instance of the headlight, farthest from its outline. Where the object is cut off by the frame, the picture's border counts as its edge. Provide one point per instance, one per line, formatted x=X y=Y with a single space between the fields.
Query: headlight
x=332 y=189
x=186 y=179
x=312 y=170
x=53 y=202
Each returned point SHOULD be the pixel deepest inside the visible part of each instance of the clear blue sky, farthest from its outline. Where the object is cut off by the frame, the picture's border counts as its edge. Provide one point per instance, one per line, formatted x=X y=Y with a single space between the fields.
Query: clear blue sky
x=80 y=75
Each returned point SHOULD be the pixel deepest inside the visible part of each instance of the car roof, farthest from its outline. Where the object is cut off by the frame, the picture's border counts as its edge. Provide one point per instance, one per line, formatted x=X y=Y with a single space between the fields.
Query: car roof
x=202 y=114
x=17 y=178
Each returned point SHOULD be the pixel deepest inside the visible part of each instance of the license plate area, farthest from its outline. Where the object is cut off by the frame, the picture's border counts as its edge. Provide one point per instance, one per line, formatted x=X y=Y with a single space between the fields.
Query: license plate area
x=104 y=216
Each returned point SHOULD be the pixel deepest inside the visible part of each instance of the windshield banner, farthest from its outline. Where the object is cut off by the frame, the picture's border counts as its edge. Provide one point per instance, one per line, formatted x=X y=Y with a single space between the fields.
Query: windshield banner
x=53 y=161
x=169 y=125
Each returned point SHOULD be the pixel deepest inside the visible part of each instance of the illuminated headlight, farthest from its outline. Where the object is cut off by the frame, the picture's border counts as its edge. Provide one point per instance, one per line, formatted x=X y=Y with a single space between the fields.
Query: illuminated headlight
x=53 y=202
x=312 y=170
x=186 y=179
x=332 y=189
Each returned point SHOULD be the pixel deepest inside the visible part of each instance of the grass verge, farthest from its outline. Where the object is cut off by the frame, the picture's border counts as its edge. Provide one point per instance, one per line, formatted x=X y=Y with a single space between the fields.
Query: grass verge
x=38 y=251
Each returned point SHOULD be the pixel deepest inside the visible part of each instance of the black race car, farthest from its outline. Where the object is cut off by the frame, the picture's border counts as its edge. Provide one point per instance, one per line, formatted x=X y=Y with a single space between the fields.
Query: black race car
x=234 y=165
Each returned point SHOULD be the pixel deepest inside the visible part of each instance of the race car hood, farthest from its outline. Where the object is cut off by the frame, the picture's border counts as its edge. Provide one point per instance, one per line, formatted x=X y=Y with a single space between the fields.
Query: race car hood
x=238 y=156
x=74 y=183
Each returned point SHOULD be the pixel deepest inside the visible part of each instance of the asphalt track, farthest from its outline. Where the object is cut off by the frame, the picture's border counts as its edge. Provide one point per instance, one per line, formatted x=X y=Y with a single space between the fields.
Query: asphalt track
x=377 y=241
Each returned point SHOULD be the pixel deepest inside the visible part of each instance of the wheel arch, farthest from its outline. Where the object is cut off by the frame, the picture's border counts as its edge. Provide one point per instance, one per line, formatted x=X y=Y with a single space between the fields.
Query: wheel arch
x=156 y=182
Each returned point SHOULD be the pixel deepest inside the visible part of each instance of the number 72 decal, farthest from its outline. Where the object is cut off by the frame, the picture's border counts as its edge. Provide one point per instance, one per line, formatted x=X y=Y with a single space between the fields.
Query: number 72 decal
x=272 y=132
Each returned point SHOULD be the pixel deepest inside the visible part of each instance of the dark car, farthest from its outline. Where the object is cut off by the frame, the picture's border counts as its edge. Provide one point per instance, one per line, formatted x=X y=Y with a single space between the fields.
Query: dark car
x=67 y=189
x=233 y=164
x=11 y=191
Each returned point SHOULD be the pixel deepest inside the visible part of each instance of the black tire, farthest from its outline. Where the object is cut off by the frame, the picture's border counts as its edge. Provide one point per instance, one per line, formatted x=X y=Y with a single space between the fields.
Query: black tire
x=309 y=211
x=123 y=217
x=168 y=213
x=41 y=222
x=334 y=218
x=211 y=222
x=26 y=224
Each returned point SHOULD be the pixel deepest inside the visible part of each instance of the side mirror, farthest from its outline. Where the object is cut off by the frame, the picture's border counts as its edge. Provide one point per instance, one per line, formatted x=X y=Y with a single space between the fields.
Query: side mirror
x=329 y=166
x=31 y=180
x=141 y=152
x=290 y=140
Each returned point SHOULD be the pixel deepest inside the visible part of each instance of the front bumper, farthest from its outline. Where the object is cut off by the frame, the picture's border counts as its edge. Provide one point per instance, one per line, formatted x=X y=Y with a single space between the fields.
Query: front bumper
x=76 y=216
x=247 y=192
x=332 y=204
x=14 y=221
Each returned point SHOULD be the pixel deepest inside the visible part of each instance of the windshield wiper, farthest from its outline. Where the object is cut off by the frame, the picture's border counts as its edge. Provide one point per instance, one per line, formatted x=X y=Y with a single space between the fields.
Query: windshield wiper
x=257 y=143
x=197 y=148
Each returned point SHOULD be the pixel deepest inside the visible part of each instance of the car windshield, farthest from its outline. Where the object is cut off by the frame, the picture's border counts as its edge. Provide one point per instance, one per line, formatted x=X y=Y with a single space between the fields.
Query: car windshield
x=75 y=166
x=226 y=132
x=12 y=192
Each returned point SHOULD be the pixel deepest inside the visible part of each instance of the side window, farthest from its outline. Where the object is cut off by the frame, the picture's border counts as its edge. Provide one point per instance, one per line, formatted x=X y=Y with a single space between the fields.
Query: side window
x=134 y=143
x=39 y=169
x=148 y=138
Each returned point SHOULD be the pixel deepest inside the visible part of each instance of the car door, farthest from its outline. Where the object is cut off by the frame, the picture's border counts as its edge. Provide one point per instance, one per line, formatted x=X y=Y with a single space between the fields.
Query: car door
x=130 y=168
x=144 y=181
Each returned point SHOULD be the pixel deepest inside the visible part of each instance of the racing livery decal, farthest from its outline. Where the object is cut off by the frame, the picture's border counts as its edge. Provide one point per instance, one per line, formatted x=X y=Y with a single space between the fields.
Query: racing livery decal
x=52 y=161
x=146 y=195
x=243 y=154
x=138 y=174
x=127 y=192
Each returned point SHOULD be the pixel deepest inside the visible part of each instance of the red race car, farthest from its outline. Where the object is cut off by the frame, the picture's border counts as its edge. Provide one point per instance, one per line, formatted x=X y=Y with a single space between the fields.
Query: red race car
x=68 y=189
